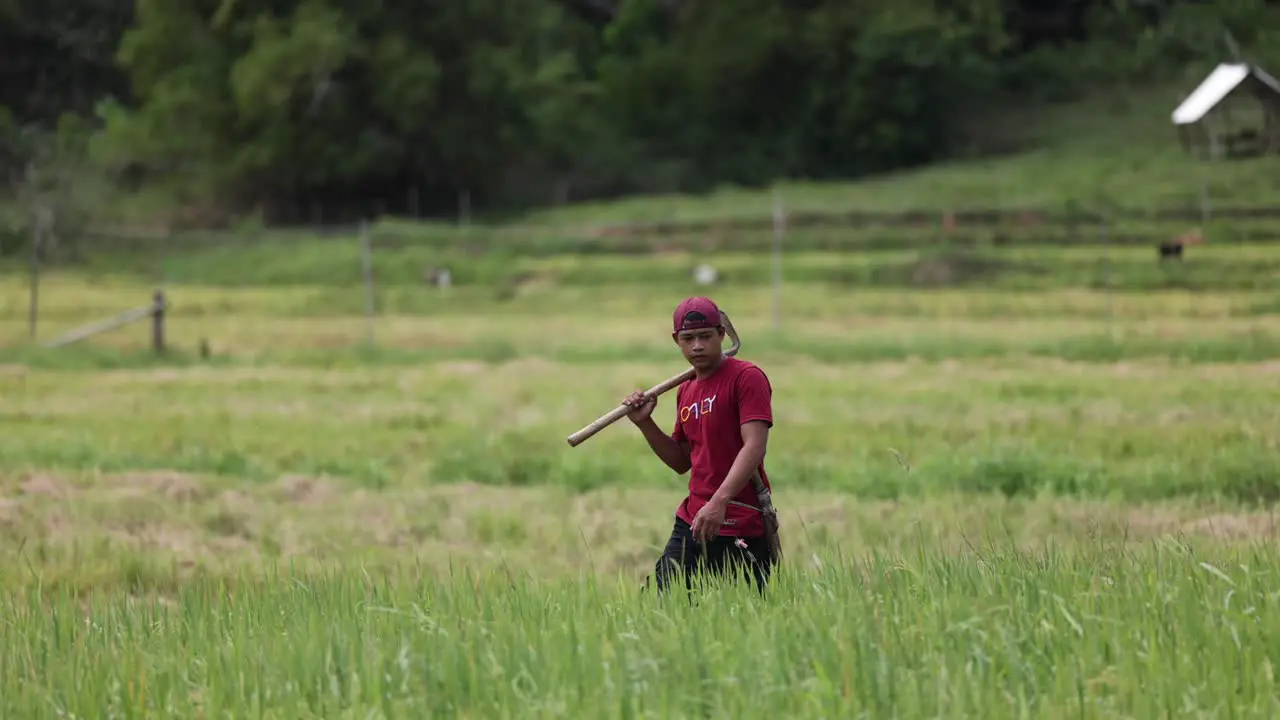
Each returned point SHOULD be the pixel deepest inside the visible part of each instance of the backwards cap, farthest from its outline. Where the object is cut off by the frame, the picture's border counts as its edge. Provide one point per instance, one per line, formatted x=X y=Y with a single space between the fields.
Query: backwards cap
x=695 y=313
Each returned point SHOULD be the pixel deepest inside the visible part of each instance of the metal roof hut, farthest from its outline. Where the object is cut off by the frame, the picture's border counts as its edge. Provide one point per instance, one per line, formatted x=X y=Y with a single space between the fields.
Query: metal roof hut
x=1235 y=112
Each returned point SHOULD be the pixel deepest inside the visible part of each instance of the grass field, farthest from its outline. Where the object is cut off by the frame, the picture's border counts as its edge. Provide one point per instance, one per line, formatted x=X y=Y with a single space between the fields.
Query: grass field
x=1111 y=154
x=1024 y=470
x=1043 y=490
x=1116 y=149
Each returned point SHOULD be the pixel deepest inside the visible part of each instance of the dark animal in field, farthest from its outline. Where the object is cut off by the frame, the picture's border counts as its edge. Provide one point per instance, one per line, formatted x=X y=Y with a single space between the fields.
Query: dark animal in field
x=1172 y=248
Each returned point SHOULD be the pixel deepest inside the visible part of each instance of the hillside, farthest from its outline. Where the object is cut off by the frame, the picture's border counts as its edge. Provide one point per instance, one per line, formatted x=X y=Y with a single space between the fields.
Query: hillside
x=1117 y=148
x=335 y=110
x=1114 y=150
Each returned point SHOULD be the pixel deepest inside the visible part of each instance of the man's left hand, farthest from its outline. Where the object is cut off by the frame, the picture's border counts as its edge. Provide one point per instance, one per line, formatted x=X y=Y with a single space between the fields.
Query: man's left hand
x=706 y=524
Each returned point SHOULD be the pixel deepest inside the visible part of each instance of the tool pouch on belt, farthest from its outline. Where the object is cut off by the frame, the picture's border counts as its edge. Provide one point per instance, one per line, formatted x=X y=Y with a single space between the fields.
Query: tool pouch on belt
x=770 y=516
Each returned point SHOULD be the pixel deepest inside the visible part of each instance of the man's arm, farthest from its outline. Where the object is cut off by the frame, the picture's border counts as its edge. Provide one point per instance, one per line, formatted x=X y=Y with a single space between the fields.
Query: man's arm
x=670 y=451
x=755 y=439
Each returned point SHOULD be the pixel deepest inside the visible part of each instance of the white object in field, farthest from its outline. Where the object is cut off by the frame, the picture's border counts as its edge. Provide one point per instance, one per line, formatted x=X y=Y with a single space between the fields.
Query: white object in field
x=438 y=276
x=704 y=274
x=1221 y=82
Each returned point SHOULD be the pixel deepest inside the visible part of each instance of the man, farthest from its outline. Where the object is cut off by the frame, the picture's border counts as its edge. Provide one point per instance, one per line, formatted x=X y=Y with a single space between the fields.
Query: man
x=723 y=418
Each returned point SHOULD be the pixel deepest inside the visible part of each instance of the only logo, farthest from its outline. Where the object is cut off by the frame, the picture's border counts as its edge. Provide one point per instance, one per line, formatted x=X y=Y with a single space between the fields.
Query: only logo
x=696 y=410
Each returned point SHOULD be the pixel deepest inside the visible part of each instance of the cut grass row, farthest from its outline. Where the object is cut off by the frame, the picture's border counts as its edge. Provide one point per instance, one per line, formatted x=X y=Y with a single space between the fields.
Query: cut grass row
x=1221 y=266
x=1017 y=427
x=145 y=532
x=635 y=305
x=321 y=326
x=1078 y=393
x=409 y=342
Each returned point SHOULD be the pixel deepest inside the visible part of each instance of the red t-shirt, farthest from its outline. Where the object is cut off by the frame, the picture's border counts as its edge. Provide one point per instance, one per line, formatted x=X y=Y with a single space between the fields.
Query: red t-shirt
x=709 y=414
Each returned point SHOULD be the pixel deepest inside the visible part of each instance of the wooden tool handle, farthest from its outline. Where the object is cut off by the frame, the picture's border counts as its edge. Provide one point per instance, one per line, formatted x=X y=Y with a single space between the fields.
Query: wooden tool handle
x=621 y=411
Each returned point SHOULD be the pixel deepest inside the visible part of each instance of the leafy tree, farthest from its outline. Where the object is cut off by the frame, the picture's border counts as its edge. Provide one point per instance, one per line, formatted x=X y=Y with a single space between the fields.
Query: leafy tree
x=275 y=104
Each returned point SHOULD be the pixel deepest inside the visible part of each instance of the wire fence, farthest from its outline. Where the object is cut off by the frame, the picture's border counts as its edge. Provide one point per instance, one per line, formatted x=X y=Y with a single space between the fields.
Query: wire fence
x=369 y=256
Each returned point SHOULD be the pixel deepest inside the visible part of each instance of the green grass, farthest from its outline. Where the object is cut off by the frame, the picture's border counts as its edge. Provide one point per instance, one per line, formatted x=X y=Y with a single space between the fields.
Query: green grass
x=1072 y=391
x=1021 y=473
x=1115 y=149
x=1159 y=630
x=1134 y=430
x=996 y=501
x=327 y=272
x=1112 y=155
x=399 y=271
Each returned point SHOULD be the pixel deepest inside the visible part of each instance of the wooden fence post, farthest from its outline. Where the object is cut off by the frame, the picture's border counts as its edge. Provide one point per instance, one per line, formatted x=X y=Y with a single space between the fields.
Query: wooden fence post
x=779 y=228
x=157 y=322
x=43 y=222
x=33 y=304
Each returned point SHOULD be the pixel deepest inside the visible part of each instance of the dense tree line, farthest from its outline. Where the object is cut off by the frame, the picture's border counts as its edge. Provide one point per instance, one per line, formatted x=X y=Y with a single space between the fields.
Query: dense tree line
x=274 y=103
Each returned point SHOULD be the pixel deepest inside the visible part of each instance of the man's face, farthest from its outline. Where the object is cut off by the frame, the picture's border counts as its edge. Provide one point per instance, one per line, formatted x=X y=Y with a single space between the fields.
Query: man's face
x=701 y=347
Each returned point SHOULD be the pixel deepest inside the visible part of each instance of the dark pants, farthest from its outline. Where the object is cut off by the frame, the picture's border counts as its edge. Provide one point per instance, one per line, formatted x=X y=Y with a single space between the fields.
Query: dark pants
x=741 y=557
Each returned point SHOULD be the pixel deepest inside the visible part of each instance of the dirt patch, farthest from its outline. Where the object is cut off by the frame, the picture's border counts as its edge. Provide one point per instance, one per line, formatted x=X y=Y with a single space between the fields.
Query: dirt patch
x=1123 y=369
x=305 y=490
x=835 y=513
x=1233 y=371
x=186 y=544
x=1149 y=522
x=1232 y=526
x=329 y=341
x=43 y=485
x=1145 y=522
x=236 y=500
x=529 y=365
x=956 y=267
x=178 y=541
x=172 y=485
x=468 y=491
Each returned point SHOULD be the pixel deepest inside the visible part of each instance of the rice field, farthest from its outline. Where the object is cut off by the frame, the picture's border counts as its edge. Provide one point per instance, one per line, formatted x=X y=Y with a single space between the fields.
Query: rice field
x=996 y=501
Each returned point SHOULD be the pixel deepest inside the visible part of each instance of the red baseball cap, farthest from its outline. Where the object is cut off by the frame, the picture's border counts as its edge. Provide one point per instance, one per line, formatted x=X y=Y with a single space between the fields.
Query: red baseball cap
x=695 y=313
